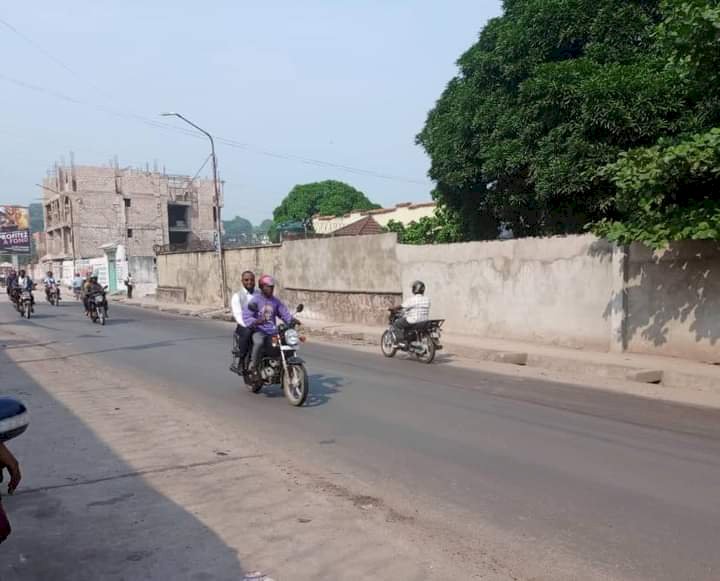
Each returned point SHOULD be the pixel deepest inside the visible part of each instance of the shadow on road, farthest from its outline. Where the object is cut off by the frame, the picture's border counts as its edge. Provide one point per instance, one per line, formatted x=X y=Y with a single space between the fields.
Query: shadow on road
x=82 y=513
x=322 y=388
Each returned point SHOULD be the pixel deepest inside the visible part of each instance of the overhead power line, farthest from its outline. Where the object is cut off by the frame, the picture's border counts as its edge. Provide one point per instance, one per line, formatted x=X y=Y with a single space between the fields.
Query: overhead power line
x=156 y=124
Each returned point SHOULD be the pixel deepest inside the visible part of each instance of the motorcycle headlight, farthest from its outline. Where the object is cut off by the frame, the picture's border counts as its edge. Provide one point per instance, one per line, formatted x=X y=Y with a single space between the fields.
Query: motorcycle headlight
x=292 y=338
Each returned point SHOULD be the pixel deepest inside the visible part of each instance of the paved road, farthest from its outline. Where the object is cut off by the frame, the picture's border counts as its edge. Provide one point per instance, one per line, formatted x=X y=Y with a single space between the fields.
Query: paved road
x=630 y=487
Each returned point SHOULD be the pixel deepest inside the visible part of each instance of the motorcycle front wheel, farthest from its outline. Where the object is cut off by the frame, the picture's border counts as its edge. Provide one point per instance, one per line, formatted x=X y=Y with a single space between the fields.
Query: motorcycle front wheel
x=296 y=385
x=26 y=310
x=387 y=344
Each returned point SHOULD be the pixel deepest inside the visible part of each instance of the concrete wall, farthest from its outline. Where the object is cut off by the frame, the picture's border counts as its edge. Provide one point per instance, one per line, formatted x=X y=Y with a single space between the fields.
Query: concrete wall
x=552 y=290
x=197 y=272
x=144 y=275
x=573 y=291
x=673 y=301
x=259 y=259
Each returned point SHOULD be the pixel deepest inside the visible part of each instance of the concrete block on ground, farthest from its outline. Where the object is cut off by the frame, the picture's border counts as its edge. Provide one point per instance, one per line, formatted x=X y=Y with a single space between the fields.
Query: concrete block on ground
x=645 y=375
x=511 y=357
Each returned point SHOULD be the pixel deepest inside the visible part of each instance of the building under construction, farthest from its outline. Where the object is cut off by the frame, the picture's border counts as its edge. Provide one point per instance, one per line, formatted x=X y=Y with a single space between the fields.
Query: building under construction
x=91 y=212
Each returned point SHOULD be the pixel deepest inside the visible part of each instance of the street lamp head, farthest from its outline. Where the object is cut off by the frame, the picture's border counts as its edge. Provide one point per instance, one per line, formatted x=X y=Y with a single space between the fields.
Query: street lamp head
x=169 y=114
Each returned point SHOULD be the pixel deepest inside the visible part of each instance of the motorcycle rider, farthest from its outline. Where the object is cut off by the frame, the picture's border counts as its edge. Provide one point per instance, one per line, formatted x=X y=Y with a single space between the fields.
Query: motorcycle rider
x=49 y=281
x=261 y=314
x=92 y=287
x=24 y=283
x=416 y=309
x=243 y=333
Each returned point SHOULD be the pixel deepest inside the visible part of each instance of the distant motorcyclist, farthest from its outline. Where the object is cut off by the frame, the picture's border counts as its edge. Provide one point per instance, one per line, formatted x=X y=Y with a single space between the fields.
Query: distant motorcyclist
x=24 y=283
x=50 y=282
x=243 y=333
x=92 y=287
x=416 y=309
x=261 y=314
x=10 y=281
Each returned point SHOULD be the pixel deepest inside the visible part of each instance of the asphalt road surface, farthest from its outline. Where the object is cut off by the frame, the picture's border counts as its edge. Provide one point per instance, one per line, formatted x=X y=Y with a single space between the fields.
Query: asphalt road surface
x=626 y=486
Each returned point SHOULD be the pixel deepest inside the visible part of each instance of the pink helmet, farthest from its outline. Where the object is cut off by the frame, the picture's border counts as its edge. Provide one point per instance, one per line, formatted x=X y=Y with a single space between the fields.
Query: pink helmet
x=266 y=280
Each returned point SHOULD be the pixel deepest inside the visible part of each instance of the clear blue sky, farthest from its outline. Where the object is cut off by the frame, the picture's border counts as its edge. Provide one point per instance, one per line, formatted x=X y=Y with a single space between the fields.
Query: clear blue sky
x=340 y=81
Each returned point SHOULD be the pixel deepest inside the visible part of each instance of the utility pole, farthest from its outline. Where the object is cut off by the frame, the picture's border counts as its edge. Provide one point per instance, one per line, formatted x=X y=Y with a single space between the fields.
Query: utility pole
x=216 y=189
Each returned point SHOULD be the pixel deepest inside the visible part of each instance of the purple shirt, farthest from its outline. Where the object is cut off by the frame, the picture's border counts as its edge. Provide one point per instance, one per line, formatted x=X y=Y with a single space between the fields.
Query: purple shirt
x=269 y=309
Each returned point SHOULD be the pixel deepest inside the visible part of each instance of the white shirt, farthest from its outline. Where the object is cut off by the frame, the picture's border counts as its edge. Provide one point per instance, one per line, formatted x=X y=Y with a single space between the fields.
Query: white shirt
x=239 y=301
x=417 y=309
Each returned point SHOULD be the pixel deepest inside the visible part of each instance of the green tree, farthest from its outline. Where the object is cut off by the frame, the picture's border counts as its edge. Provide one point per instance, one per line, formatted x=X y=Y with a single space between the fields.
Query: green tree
x=569 y=112
x=440 y=228
x=670 y=190
x=328 y=198
x=552 y=90
x=263 y=227
x=238 y=229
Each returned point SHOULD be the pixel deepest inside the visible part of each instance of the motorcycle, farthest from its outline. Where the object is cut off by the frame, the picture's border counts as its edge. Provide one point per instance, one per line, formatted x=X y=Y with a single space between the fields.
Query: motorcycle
x=280 y=364
x=97 y=303
x=52 y=294
x=24 y=304
x=422 y=340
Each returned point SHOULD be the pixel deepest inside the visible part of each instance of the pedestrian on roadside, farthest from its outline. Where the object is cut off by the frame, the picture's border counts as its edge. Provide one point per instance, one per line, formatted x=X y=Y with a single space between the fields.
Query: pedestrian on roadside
x=9 y=462
x=129 y=285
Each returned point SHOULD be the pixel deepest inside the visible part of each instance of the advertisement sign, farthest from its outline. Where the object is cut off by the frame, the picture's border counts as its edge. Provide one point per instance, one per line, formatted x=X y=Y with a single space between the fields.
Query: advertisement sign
x=14 y=230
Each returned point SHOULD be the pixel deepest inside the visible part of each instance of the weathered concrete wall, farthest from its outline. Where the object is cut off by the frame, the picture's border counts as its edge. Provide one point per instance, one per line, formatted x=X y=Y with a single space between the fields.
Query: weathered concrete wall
x=144 y=275
x=352 y=279
x=551 y=290
x=352 y=263
x=673 y=301
x=571 y=291
x=259 y=259
x=197 y=272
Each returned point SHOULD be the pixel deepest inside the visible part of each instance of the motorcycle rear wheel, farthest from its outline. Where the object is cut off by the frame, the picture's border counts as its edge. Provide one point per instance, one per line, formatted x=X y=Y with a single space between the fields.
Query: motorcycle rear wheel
x=296 y=385
x=428 y=356
x=387 y=344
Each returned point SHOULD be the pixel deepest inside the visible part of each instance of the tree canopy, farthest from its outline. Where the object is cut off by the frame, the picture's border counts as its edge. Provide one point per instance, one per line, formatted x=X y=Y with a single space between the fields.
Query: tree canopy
x=327 y=198
x=573 y=112
x=238 y=229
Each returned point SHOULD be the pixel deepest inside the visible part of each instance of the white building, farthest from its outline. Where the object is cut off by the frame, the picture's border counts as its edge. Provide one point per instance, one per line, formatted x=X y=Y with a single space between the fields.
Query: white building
x=404 y=213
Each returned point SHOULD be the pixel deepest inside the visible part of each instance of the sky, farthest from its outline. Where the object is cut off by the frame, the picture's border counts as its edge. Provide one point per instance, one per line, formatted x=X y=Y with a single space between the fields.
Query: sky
x=338 y=82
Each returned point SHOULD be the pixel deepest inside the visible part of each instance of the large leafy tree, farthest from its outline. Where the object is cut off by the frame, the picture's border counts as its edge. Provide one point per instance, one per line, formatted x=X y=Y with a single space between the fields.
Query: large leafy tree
x=567 y=112
x=670 y=190
x=328 y=198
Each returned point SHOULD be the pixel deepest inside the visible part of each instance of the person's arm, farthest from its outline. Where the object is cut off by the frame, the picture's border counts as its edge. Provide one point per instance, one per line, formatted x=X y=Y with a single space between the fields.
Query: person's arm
x=250 y=318
x=284 y=313
x=9 y=461
x=237 y=309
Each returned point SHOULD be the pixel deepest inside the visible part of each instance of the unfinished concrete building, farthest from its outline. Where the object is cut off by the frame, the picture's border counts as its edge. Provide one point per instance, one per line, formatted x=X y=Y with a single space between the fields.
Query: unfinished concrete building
x=87 y=207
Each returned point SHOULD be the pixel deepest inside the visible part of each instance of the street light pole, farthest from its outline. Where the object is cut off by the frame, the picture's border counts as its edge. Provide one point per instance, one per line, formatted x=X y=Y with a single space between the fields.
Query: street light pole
x=218 y=223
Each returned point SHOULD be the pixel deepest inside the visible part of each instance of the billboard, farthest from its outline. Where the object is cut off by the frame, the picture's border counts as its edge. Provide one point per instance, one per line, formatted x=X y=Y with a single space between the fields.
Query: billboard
x=14 y=230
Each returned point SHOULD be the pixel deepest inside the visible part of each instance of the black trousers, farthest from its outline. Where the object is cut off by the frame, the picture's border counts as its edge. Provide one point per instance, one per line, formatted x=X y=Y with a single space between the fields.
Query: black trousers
x=400 y=325
x=241 y=342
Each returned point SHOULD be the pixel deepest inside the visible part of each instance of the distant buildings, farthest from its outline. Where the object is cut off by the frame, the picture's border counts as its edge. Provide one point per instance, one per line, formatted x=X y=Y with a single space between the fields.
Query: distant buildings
x=403 y=213
x=107 y=218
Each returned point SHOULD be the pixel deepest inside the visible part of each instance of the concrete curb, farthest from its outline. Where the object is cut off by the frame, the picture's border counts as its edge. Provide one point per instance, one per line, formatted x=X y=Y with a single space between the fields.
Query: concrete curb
x=554 y=363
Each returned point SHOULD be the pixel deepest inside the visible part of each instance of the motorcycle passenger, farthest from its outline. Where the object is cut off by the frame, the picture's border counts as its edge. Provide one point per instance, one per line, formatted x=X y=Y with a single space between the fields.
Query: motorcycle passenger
x=243 y=333
x=261 y=314
x=92 y=288
x=24 y=283
x=415 y=309
x=49 y=281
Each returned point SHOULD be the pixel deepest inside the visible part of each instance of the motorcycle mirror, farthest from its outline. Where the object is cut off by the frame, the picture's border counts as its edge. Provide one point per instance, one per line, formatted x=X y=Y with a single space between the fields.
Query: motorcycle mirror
x=300 y=308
